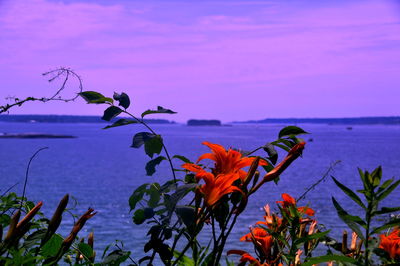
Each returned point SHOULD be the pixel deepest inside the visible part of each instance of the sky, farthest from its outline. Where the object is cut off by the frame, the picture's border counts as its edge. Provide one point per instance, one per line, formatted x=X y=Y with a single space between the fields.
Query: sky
x=229 y=60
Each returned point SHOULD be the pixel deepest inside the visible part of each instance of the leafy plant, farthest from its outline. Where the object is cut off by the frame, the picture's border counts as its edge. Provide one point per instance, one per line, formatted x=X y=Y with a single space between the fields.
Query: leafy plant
x=373 y=192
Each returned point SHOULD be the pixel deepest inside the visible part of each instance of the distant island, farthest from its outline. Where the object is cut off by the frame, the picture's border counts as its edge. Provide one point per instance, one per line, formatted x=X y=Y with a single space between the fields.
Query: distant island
x=67 y=119
x=201 y=122
x=34 y=136
x=382 y=120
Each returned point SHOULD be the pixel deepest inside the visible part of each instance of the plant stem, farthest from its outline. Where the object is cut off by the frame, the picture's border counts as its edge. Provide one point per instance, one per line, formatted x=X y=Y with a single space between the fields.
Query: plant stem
x=367 y=233
x=141 y=121
x=224 y=238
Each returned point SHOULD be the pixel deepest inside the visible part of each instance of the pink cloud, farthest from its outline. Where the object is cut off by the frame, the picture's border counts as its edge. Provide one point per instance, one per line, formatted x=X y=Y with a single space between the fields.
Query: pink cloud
x=224 y=58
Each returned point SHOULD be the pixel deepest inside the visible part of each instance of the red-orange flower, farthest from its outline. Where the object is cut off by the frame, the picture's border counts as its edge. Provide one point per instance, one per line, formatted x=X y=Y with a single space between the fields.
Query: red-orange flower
x=246 y=257
x=391 y=243
x=290 y=201
x=261 y=239
x=226 y=161
x=216 y=187
x=271 y=220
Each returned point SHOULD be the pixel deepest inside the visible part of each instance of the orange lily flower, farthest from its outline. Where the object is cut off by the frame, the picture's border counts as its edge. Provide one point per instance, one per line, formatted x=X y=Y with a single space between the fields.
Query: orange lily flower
x=226 y=161
x=271 y=220
x=261 y=239
x=216 y=187
x=290 y=201
x=246 y=257
x=391 y=243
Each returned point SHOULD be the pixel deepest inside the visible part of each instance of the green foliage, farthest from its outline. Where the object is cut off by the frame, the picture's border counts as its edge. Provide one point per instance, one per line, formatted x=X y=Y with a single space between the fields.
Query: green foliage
x=160 y=110
x=32 y=240
x=111 y=112
x=121 y=122
x=373 y=193
x=123 y=99
x=95 y=97
x=291 y=131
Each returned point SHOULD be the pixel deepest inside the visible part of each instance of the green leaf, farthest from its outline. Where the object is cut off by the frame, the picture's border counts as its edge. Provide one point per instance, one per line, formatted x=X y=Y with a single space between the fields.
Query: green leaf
x=272 y=153
x=94 y=97
x=123 y=99
x=385 y=184
x=151 y=165
x=148 y=213
x=327 y=258
x=138 y=216
x=307 y=238
x=187 y=214
x=164 y=252
x=85 y=249
x=50 y=249
x=376 y=176
x=153 y=145
x=349 y=193
x=160 y=110
x=392 y=223
x=181 y=191
x=111 y=112
x=291 y=131
x=137 y=196
x=121 y=122
x=34 y=238
x=116 y=257
x=350 y=220
x=385 y=210
x=154 y=197
x=140 y=138
x=185 y=260
x=182 y=158
x=389 y=190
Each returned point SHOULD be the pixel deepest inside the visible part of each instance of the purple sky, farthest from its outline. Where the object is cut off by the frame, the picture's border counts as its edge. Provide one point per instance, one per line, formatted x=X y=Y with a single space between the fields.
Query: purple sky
x=229 y=60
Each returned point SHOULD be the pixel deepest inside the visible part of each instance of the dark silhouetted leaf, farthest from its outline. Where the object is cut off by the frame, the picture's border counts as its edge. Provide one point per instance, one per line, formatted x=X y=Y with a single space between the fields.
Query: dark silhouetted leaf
x=386 y=192
x=272 y=153
x=165 y=252
x=160 y=110
x=349 y=193
x=138 y=216
x=148 y=213
x=140 y=138
x=137 y=196
x=151 y=165
x=123 y=99
x=392 y=223
x=182 y=158
x=291 y=131
x=187 y=214
x=111 y=112
x=350 y=220
x=121 y=122
x=94 y=97
x=116 y=257
x=153 y=145
x=154 y=197
x=385 y=210
x=307 y=238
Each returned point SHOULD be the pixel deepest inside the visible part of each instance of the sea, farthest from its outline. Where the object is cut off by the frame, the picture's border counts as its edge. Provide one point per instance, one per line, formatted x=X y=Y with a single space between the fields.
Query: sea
x=99 y=169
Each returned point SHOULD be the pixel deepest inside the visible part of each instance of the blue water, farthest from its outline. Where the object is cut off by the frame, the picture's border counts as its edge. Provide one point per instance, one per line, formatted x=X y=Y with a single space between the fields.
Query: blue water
x=100 y=170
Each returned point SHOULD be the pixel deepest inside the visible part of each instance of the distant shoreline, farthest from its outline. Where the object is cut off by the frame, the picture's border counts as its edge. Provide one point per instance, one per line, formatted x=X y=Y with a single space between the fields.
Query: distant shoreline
x=377 y=120
x=68 y=119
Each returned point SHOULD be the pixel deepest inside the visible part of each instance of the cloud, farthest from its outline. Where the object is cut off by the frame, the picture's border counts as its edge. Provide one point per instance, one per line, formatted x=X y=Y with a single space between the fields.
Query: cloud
x=210 y=47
